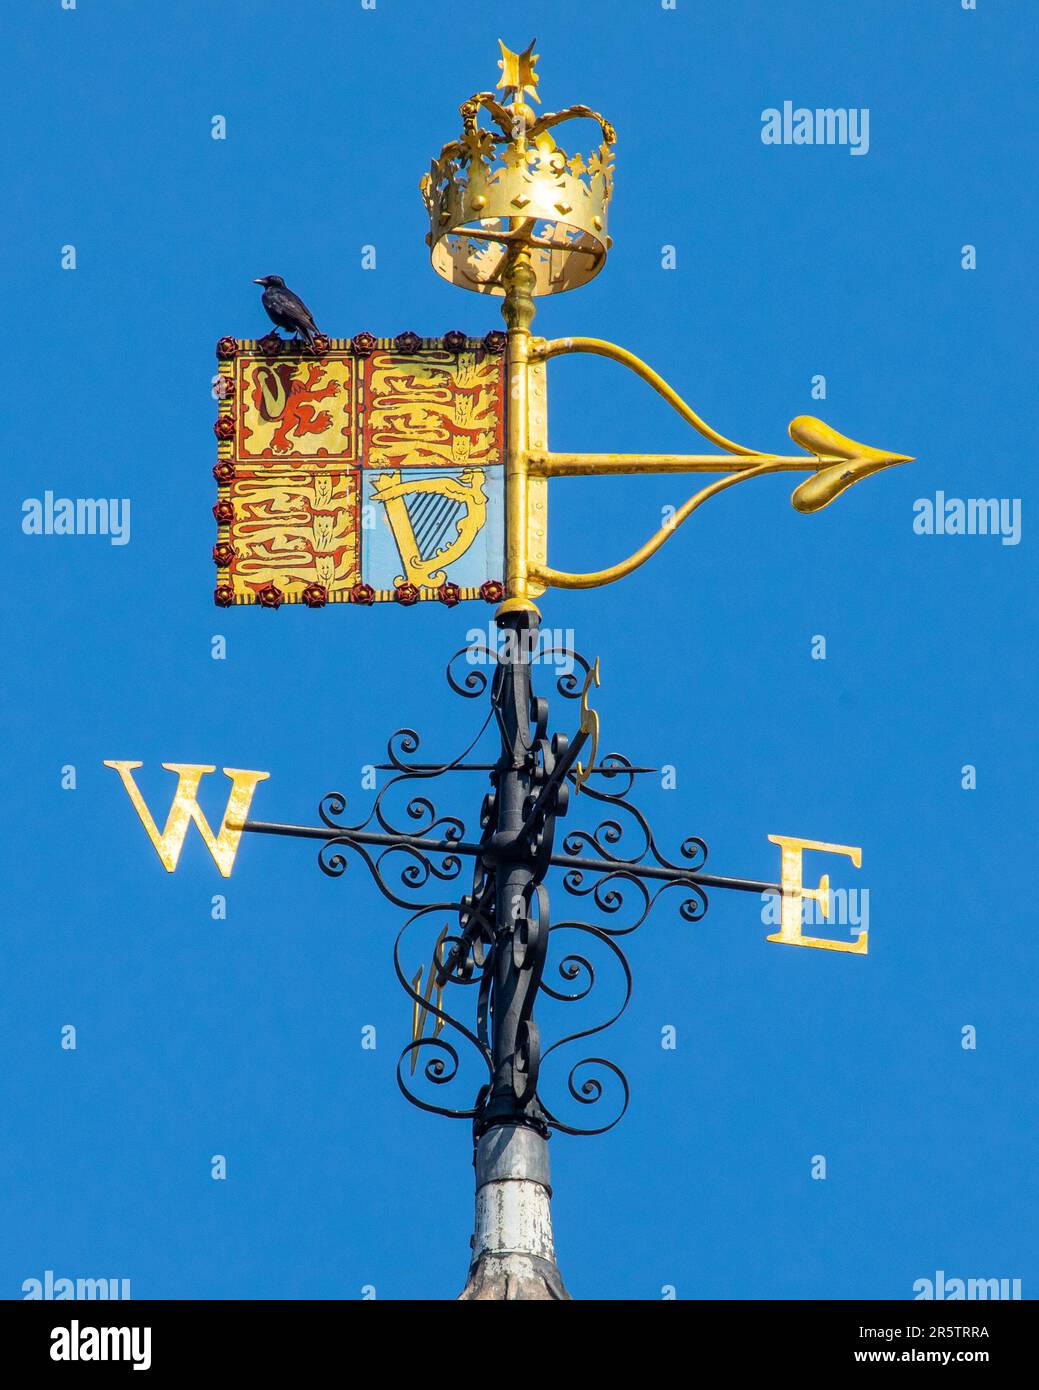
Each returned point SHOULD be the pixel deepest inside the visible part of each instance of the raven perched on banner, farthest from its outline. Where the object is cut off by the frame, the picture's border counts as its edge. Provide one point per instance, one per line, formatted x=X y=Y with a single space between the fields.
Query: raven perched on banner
x=286 y=309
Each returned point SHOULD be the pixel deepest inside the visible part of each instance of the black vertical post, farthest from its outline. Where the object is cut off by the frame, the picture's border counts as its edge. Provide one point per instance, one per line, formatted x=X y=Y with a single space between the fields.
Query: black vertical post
x=520 y=934
x=513 y=1248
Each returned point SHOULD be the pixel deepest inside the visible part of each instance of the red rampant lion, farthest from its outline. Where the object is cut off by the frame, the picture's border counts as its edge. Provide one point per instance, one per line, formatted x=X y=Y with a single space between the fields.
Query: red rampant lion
x=278 y=396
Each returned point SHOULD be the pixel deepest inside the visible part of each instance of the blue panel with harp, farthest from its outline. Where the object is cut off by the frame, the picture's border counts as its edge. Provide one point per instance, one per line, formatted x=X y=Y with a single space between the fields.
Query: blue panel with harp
x=429 y=528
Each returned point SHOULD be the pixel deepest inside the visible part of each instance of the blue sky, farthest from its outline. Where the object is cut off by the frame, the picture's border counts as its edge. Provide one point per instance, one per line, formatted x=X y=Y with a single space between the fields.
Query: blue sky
x=242 y=1037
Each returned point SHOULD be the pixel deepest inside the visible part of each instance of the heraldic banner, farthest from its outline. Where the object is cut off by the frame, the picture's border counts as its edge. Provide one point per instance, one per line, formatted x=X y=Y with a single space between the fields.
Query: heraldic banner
x=369 y=469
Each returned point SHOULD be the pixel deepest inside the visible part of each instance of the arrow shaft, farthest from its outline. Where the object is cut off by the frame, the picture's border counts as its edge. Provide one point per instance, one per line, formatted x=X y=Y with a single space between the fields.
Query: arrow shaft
x=559 y=465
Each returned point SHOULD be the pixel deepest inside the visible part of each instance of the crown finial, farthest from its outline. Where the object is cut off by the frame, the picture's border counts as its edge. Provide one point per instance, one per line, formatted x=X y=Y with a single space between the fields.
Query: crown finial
x=517 y=72
x=498 y=189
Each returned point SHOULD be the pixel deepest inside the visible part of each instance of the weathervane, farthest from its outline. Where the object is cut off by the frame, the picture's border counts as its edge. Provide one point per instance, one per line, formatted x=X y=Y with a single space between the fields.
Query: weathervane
x=407 y=469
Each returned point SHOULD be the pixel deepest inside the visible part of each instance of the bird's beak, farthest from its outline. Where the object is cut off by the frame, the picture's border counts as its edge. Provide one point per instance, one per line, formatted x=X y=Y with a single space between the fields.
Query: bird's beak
x=257 y=282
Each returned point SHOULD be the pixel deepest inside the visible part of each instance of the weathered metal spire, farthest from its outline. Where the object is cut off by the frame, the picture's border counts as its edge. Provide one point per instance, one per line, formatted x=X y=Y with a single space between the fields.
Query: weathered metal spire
x=513 y=1250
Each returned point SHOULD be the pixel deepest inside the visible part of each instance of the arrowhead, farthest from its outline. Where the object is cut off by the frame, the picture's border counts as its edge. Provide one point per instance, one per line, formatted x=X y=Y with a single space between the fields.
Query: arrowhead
x=842 y=461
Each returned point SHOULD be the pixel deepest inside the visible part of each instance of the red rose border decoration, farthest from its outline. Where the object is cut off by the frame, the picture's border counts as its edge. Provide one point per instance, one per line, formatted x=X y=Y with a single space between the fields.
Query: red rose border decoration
x=406 y=594
x=270 y=596
x=314 y=596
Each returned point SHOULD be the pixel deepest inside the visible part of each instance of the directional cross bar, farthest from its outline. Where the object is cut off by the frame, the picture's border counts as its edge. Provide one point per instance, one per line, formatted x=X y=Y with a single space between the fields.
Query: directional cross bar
x=488 y=853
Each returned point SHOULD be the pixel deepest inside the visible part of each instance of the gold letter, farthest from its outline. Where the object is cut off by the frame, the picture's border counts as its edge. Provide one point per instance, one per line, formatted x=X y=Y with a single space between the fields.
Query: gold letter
x=223 y=846
x=794 y=894
x=433 y=993
x=589 y=726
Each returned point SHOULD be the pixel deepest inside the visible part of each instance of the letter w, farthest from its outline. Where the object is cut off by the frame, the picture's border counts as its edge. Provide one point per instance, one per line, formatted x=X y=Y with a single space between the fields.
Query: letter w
x=222 y=846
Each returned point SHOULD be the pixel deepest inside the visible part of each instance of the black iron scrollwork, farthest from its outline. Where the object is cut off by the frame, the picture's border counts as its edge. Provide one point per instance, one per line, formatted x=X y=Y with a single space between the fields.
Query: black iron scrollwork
x=497 y=938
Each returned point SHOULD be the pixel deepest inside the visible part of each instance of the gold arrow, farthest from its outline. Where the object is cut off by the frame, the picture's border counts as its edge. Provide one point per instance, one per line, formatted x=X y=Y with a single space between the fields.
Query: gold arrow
x=842 y=461
x=833 y=460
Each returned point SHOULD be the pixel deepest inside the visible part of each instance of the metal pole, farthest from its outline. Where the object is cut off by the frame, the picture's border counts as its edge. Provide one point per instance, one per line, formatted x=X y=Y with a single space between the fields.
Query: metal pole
x=513 y=1249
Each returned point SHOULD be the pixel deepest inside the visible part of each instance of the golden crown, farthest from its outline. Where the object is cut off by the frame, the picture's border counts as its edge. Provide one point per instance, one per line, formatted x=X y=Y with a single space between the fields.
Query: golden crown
x=495 y=189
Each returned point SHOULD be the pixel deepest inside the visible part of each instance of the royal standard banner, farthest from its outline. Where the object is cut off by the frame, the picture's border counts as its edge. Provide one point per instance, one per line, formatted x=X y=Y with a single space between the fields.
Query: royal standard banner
x=370 y=469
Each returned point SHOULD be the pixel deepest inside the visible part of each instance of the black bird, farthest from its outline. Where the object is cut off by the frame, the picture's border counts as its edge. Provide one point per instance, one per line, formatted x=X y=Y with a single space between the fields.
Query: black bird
x=286 y=309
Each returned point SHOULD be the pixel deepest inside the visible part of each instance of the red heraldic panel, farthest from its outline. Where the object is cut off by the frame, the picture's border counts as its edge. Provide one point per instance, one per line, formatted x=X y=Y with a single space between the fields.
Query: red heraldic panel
x=371 y=469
